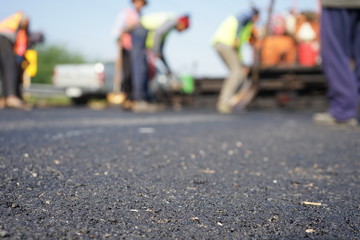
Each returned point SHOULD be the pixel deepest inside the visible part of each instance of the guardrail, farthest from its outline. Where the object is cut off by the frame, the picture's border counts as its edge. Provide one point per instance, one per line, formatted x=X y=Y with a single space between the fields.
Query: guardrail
x=44 y=90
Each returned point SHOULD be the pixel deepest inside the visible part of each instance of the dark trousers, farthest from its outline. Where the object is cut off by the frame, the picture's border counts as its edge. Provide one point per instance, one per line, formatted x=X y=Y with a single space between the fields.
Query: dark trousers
x=8 y=68
x=139 y=64
x=340 y=40
x=127 y=76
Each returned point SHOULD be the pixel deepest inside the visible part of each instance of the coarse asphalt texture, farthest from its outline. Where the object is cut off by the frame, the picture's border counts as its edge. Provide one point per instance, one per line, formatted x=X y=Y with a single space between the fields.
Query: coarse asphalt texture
x=76 y=173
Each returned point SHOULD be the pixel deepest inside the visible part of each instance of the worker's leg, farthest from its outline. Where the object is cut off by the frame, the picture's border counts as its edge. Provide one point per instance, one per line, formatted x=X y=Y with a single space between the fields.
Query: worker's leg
x=356 y=48
x=236 y=75
x=127 y=79
x=336 y=37
x=8 y=68
x=139 y=65
x=20 y=79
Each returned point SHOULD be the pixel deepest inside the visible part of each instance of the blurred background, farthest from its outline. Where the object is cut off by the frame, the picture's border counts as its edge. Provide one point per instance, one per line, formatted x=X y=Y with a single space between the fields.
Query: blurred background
x=81 y=31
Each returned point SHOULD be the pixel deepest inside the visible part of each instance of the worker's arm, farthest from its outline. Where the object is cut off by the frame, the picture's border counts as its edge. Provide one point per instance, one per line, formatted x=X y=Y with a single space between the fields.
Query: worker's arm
x=160 y=35
x=163 y=59
x=159 y=41
x=125 y=23
x=118 y=26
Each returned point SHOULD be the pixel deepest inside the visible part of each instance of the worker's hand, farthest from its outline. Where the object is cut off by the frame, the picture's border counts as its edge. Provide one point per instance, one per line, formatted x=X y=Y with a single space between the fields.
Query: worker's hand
x=236 y=43
x=119 y=42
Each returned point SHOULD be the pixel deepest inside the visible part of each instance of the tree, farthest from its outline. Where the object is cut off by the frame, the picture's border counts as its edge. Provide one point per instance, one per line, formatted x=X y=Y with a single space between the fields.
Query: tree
x=49 y=56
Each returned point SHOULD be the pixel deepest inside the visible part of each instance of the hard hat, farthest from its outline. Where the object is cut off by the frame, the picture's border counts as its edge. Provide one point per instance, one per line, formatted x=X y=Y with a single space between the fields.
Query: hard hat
x=184 y=21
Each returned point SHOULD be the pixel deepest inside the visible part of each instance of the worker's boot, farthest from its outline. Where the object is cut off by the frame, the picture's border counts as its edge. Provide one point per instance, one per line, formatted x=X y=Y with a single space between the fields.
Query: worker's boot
x=2 y=103
x=16 y=103
x=145 y=107
x=328 y=120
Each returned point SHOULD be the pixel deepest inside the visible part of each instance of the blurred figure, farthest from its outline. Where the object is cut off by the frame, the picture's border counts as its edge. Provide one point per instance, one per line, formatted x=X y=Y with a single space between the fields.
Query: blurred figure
x=159 y=26
x=340 y=41
x=14 y=41
x=128 y=26
x=228 y=40
x=126 y=21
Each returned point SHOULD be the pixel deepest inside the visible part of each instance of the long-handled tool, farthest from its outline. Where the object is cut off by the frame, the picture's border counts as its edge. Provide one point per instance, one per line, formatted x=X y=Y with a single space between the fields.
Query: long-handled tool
x=116 y=96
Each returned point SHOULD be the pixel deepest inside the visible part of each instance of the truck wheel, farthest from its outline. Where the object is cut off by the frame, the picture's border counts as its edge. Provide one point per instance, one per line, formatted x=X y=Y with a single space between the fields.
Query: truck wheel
x=79 y=101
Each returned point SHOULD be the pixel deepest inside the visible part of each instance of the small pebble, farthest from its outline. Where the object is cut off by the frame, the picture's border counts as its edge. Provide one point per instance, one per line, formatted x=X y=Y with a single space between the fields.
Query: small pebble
x=310 y=230
x=4 y=233
x=15 y=205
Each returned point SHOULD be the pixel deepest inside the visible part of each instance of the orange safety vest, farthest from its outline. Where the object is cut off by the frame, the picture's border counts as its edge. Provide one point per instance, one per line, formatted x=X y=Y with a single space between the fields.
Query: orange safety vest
x=21 y=42
x=9 y=27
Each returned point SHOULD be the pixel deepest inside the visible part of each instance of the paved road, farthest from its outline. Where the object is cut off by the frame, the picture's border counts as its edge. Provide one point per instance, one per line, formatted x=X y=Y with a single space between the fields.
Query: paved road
x=72 y=173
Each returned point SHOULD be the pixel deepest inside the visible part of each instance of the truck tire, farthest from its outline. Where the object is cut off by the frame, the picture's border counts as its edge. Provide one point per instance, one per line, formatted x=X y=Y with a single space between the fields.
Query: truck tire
x=80 y=101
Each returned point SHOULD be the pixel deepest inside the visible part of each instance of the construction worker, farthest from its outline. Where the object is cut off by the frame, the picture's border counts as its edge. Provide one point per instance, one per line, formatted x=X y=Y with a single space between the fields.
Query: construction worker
x=159 y=25
x=228 y=40
x=14 y=40
x=129 y=28
x=340 y=41
x=126 y=21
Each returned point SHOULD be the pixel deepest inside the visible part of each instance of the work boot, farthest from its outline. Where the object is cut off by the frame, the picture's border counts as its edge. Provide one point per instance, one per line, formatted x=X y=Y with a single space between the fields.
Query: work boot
x=224 y=108
x=145 y=107
x=328 y=120
x=244 y=96
x=127 y=105
x=16 y=103
x=2 y=103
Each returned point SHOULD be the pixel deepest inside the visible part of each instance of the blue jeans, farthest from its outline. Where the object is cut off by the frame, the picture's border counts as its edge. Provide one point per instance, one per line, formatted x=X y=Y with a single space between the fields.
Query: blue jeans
x=139 y=65
x=340 y=40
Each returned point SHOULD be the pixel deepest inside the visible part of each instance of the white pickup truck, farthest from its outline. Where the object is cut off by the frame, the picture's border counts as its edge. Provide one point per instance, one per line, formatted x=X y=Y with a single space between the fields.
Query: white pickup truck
x=84 y=81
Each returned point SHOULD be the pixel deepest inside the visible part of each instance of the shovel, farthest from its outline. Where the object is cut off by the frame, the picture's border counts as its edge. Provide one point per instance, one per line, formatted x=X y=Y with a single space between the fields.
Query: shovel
x=116 y=97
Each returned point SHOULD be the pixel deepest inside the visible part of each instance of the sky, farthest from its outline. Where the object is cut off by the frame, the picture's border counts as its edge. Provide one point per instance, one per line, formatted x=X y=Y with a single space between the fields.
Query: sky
x=85 y=27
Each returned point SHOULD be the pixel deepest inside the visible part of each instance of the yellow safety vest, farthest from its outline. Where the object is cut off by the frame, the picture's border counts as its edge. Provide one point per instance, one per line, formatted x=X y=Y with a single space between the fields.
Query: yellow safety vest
x=226 y=33
x=153 y=21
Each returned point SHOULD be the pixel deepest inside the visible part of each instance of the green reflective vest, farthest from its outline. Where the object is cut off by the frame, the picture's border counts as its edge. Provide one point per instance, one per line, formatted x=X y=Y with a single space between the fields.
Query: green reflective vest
x=245 y=33
x=227 y=32
x=152 y=22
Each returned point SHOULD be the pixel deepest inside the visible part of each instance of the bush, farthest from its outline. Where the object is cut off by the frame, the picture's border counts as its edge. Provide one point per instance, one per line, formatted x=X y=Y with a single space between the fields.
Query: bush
x=49 y=56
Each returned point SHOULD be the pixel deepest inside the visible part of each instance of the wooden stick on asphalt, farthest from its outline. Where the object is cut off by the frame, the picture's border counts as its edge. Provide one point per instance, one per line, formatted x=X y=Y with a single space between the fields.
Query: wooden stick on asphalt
x=118 y=71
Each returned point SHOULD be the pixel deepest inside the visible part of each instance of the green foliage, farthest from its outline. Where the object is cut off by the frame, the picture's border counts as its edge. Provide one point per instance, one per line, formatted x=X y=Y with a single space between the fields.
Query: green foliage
x=49 y=56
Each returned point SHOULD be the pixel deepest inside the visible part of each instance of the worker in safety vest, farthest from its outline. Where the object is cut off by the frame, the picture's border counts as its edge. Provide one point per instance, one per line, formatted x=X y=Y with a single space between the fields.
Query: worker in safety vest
x=228 y=41
x=14 y=40
x=159 y=25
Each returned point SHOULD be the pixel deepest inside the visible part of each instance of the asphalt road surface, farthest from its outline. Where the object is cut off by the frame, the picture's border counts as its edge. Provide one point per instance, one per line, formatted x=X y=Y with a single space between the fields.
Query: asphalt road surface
x=76 y=173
